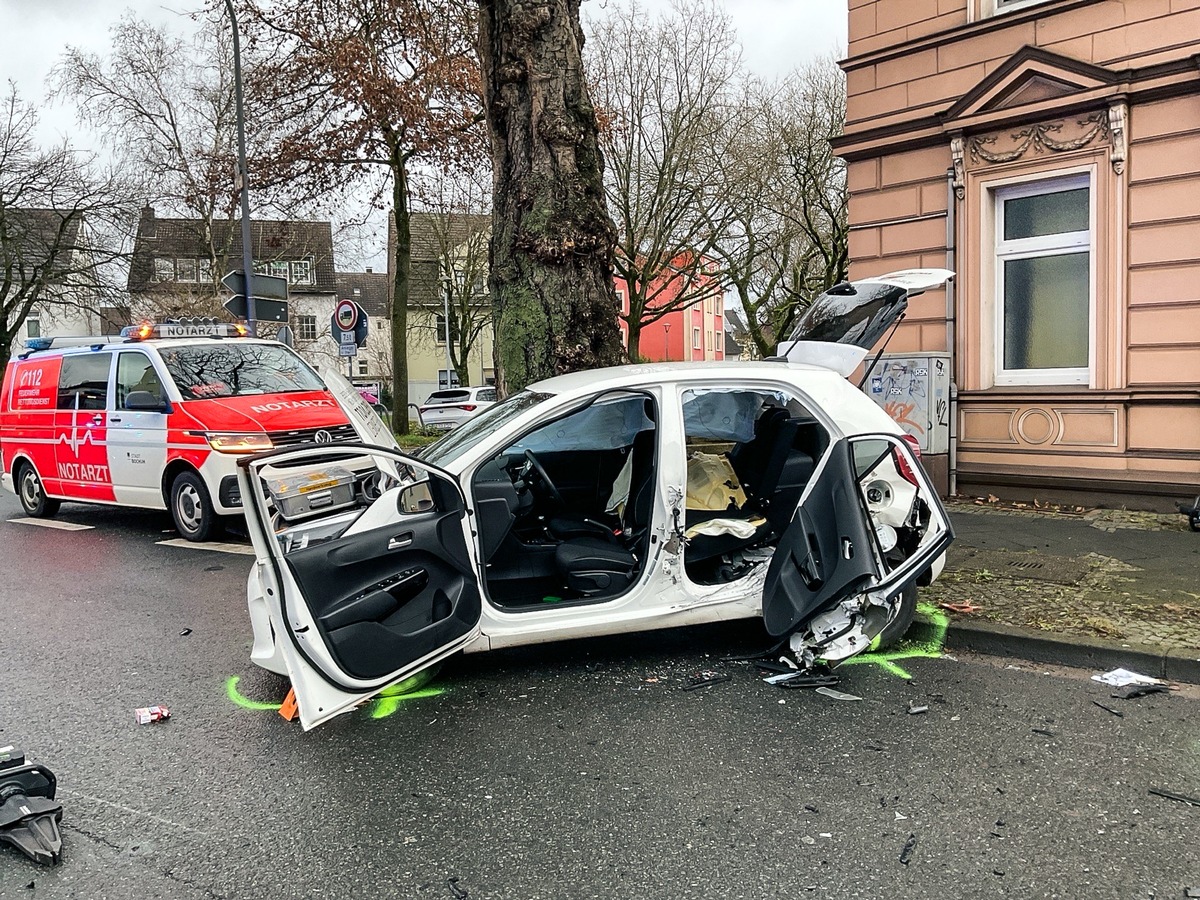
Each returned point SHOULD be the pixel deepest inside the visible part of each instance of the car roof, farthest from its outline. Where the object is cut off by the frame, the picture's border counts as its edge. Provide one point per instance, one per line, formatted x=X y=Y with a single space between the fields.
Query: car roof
x=102 y=344
x=595 y=380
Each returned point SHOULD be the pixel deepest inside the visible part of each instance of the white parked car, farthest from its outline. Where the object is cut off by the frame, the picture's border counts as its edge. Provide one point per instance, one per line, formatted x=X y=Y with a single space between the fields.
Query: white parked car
x=602 y=502
x=449 y=409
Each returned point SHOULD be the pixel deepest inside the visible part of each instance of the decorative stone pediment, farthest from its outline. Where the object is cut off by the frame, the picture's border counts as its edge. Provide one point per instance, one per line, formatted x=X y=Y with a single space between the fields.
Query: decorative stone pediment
x=1029 y=76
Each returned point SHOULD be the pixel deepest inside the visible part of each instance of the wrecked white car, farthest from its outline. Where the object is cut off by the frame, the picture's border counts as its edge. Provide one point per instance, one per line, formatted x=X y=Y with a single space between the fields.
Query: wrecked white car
x=602 y=502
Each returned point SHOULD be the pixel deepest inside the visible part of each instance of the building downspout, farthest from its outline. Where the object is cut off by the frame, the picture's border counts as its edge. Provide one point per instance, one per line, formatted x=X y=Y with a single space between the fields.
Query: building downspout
x=951 y=336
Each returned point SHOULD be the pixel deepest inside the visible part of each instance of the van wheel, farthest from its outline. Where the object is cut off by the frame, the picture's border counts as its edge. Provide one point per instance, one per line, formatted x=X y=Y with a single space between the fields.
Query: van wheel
x=895 y=630
x=192 y=508
x=33 y=494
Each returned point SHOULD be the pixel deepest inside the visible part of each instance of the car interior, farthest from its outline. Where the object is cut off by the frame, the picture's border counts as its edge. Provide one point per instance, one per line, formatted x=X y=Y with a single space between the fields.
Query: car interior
x=565 y=511
x=751 y=453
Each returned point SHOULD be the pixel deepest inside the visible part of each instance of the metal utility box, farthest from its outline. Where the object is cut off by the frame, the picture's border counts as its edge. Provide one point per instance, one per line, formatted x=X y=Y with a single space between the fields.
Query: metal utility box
x=312 y=492
x=915 y=391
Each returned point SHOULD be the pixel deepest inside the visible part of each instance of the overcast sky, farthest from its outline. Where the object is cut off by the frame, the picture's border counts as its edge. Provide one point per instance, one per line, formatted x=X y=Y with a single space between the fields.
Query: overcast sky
x=776 y=36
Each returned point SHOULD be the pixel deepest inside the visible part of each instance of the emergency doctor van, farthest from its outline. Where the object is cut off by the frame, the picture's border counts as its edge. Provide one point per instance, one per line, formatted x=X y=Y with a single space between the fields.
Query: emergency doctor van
x=158 y=419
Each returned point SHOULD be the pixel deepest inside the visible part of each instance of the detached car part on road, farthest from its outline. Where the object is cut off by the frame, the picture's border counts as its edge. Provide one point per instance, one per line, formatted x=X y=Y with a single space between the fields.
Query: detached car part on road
x=600 y=502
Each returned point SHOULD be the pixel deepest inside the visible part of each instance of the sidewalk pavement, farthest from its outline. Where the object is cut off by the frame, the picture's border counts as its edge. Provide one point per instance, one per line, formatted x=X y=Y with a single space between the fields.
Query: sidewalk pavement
x=1091 y=588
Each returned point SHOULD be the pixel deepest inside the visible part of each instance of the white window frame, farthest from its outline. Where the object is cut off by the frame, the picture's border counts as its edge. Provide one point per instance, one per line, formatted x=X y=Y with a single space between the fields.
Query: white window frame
x=164 y=268
x=33 y=323
x=301 y=271
x=306 y=328
x=1046 y=245
x=988 y=8
x=696 y=338
x=364 y=366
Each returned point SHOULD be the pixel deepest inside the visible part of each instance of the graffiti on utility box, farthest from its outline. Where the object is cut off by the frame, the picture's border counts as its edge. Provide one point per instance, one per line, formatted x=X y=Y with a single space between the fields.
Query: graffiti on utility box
x=915 y=392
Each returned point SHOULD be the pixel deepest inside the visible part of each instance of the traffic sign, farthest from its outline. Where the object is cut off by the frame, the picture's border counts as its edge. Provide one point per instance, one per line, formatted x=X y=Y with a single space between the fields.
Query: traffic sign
x=350 y=349
x=349 y=322
x=264 y=310
x=266 y=287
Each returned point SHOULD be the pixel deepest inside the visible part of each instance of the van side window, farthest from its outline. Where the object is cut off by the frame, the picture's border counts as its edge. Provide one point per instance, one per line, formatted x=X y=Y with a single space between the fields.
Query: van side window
x=135 y=372
x=85 y=376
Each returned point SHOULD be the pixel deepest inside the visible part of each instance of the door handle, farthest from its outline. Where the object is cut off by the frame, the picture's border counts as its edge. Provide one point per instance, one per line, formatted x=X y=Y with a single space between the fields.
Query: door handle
x=98 y=419
x=400 y=540
x=114 y=419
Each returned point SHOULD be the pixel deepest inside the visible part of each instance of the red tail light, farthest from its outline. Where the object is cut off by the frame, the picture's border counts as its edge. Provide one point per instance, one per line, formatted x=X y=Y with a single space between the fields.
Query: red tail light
x=469 y=407
x=902 y=465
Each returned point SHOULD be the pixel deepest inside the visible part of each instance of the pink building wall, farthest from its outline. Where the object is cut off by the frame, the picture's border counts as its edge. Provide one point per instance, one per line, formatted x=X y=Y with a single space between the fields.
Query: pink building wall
x=954 y=105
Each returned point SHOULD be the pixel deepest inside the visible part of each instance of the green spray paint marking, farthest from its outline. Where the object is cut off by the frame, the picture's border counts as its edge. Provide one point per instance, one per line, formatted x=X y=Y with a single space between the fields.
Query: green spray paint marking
x=388 y=702
x=931 y=649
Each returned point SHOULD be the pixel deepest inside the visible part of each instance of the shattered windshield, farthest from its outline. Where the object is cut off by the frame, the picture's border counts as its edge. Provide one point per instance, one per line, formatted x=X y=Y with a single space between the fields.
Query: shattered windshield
x=204 y=371
x=457 y=442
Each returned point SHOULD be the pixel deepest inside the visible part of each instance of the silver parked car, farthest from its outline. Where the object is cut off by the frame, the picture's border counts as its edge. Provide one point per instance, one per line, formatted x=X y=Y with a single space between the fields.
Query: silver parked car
x=446 y=409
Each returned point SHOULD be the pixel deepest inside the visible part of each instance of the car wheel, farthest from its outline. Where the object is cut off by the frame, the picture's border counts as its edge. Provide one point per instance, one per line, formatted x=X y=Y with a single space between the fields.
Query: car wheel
x=192 y=508
x=892 y=634
x=33 y=494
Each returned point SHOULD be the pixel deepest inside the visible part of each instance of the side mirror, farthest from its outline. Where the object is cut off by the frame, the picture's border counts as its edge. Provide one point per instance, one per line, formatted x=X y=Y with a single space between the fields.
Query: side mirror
x=144 y=401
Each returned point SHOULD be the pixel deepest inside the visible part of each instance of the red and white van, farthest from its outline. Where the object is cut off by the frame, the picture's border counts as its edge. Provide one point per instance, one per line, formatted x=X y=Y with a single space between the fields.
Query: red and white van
x=158 y=420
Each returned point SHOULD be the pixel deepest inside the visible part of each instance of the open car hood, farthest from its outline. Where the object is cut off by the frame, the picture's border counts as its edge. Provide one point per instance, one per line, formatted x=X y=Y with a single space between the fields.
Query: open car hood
x=855 y=315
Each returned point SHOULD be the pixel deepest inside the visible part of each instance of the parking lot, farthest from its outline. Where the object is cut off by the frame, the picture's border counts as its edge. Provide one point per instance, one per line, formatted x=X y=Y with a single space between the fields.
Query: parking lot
x=569 y=770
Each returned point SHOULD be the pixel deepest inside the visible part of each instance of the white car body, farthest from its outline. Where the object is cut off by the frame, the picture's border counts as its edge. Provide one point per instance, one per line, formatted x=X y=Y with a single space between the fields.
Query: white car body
x=448 y=409
x=826 y=570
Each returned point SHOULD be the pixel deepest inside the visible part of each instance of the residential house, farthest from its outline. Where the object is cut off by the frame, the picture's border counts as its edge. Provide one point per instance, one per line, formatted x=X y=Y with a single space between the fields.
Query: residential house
x=449 y=257
x=694 y=333
x=178 y=264
x=53 y=244
x=1046 y=151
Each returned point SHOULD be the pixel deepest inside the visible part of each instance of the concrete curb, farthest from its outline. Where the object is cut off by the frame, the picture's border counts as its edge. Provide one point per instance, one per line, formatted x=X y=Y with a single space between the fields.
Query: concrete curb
x=996 y=639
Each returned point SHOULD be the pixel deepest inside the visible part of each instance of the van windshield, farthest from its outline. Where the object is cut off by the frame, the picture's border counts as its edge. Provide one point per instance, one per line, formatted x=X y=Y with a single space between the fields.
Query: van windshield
x=204 y=371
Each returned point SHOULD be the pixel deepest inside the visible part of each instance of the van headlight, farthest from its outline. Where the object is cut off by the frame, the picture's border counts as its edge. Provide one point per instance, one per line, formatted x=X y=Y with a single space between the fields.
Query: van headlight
x=238 y=443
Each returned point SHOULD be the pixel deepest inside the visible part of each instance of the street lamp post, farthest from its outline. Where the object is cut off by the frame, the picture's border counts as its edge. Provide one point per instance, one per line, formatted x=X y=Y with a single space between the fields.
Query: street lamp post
x=446 y=300
x=667 y=341
x=243 y=175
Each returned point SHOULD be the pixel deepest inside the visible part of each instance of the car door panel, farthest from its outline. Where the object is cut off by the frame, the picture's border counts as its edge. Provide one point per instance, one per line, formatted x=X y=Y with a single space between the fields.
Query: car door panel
x=832 y=550
x=825 y=554
x=365 y=594
x=379 y=595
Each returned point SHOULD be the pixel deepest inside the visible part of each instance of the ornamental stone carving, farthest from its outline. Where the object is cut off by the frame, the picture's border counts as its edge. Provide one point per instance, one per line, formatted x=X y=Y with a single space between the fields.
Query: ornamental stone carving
x=1058 y=136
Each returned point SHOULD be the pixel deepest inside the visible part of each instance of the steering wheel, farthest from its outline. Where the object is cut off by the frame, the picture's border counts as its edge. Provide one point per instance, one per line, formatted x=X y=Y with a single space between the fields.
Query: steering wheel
x=545 y=479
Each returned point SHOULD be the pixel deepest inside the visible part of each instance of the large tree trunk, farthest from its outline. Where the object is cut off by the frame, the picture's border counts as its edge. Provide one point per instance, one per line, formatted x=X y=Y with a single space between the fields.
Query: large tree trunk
x=554 y=304
x=400 y=266
x=634 y=344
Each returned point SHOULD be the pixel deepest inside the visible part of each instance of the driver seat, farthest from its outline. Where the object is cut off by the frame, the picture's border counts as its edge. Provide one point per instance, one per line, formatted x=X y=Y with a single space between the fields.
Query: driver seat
x=603 y=563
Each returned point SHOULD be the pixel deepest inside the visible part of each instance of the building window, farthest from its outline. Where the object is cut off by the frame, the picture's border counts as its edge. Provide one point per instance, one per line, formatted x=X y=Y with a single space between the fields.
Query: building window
x=440 y=327
x=695 y=338
x=204 y=271
x=33 y=327
x=444 y=382
x=1044 y=282
x=362 y=365
x=301 y=271
x=185 y=270
x=306 y=328
x=164 y=270
x=278 y=268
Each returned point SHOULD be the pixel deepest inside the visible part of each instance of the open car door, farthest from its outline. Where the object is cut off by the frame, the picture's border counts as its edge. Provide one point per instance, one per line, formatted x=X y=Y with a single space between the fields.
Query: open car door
x=370 y=427
x=366 y=568
x=868 y=526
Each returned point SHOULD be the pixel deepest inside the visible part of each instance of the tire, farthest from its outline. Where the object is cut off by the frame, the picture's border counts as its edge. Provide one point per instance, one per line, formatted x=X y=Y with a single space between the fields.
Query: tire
x=894 y=632
x=33 y=493
x=192 y=508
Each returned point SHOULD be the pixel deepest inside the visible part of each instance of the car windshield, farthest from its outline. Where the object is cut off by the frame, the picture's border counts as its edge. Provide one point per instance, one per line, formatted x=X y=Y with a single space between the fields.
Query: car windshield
x=203 y=371
x=444 y=451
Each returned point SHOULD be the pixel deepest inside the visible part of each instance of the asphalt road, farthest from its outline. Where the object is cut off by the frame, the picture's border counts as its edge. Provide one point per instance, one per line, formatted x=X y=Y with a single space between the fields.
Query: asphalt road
x=572 y=770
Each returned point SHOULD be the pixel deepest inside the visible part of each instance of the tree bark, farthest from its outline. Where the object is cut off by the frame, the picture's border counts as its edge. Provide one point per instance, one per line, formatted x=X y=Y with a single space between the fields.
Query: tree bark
x=401 y=265
x=553 y=299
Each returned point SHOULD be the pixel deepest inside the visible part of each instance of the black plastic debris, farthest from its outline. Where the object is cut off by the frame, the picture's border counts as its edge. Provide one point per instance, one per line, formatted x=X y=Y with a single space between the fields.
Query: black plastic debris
x=29 y=814
x=807 y=680
x=706 y=679
x=1171 y=795
x=1046 y=731
x=1115 y=712
x=909 y=846
x=455 y=891
x=1131 y=691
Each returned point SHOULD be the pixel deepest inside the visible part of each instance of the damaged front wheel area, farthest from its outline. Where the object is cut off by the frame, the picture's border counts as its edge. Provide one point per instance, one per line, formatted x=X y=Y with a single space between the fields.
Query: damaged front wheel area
x=895 y=630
